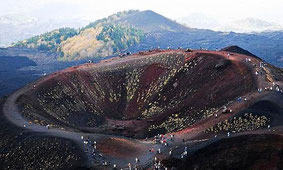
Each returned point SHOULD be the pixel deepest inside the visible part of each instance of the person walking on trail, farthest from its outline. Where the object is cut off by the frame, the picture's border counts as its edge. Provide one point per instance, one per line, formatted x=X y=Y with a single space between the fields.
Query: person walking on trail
x=137 y=160
x=175 y=84
x=159 y=165
x=171 y=137
x=256 y=73
x=185 y=153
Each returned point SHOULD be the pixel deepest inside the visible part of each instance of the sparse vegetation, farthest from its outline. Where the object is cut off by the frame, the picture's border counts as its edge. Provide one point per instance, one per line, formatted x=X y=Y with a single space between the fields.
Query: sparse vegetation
x=246 y=122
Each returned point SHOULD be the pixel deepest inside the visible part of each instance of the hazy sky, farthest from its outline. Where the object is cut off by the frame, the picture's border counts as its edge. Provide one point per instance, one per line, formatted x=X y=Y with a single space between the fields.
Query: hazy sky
x=222 y=10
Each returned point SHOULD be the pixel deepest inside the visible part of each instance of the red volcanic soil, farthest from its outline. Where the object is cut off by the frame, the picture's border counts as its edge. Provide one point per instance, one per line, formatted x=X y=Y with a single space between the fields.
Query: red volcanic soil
x=160 y=92
x=119 y=147
x=150 y=74
x=138 y=95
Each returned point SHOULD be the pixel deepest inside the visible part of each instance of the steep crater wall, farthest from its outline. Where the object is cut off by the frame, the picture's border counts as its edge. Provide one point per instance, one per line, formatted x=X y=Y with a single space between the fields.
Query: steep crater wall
x=139 y=95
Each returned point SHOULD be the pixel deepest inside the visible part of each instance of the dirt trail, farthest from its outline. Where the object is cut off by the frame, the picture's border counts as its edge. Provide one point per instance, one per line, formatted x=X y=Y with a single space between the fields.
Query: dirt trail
x=190 y=135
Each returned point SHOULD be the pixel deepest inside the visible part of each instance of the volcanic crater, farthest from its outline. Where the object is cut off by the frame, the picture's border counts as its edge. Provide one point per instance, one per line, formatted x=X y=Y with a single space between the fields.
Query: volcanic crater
x=137 y=96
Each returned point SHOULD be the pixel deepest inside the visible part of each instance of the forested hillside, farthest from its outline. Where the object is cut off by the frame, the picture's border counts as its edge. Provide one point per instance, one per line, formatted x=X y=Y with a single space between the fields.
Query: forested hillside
x=98 y=39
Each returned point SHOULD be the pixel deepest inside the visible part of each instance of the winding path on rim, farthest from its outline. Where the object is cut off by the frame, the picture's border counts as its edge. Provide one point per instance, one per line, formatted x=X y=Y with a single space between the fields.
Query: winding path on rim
x=190 y=134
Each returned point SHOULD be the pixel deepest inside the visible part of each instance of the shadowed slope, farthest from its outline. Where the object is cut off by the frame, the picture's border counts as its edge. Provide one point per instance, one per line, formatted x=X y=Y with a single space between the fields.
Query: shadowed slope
x=242 y=152
x=239 y=50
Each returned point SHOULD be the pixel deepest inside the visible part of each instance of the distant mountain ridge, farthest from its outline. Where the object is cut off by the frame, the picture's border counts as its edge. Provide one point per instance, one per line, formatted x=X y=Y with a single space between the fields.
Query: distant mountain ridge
x=250 y=25
x=141 y=30
x=150 y=21
x=245 y=25
x=14 y=28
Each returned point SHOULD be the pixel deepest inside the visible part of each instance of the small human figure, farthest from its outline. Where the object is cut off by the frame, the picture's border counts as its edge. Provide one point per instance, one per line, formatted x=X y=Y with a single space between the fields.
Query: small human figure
x=175 y=84
x=137 y=160
x=159 y=165
x=171 y=137
x=185 y=153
